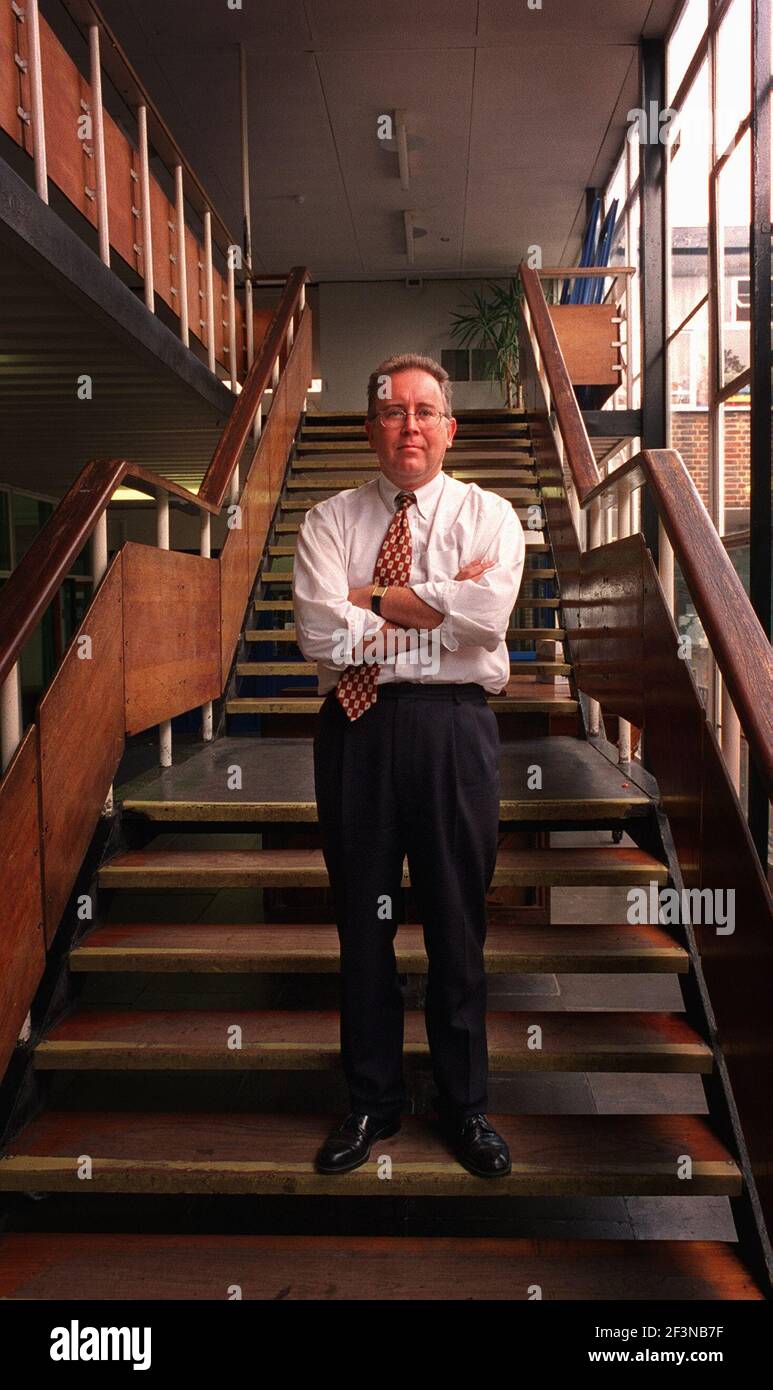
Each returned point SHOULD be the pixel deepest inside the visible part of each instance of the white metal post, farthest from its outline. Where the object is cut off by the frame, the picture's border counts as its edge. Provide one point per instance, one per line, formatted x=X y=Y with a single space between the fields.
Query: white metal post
x=162 y=541
x=147 y=225
x=246 y=204
x=205 y=550
x=594 y=540
x=36 y=95
x=99 y=144
x=730 y=737
x=209 y=289
x=232 y=322
x=10 y=714
x=623 y=491
x=182 y=262
x=666 y=568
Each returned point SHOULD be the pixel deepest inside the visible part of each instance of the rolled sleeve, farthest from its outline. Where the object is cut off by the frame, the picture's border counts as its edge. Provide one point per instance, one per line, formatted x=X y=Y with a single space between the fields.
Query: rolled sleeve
x=477 y=611
x=327 y=625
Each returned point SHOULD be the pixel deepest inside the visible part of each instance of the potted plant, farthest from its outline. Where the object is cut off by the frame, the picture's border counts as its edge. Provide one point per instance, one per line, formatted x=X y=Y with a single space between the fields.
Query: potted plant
x=493 y=323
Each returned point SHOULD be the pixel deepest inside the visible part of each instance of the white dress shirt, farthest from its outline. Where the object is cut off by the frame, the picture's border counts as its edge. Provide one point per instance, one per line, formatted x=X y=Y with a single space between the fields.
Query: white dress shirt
x=452 y=523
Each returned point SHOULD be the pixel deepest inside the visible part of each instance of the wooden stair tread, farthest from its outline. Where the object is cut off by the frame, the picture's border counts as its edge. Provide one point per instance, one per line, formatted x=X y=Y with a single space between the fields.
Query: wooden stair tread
x=530 y=699
x=580 y=785
x=266 y=946
x=519 y=634
x=522 y=487
x=99 y=1039
x=298 y=667
x=244 y=868
x=102 y=1265
x=553 y=1155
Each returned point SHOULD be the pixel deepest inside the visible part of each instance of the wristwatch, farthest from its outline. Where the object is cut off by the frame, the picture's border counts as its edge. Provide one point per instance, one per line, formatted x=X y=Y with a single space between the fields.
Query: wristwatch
x=377 y=593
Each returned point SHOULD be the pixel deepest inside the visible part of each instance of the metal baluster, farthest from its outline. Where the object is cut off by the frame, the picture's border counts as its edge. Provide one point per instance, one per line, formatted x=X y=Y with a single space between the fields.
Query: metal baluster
x=98 y=130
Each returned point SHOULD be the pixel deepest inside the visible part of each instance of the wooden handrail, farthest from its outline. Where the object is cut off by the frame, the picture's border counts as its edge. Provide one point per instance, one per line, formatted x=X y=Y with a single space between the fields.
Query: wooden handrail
x=32 y=585
x=735 y=633
x=239 y=423
x=577 y=448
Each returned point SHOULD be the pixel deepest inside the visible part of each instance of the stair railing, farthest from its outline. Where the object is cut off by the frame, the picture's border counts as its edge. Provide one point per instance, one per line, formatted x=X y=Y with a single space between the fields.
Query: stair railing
x=627 y=655
x=157 y=640
x=734 y=632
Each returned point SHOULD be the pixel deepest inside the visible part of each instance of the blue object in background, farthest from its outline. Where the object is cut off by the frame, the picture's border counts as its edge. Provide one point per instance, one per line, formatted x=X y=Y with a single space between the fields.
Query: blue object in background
x=587 y=257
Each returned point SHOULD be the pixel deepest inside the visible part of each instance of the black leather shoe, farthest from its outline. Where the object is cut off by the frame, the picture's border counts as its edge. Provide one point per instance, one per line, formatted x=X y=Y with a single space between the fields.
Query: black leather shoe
x=348 y=1144
x=478 y=1147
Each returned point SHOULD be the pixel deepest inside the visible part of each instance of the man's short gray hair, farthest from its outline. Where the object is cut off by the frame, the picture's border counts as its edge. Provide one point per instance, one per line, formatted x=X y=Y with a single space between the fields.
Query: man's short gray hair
x=399 y=363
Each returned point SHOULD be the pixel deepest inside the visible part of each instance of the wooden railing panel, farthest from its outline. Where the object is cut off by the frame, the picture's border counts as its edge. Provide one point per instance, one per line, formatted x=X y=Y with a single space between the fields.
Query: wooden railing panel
x=80 y=719
x=608 y=645
x=739 y=966
x=586 y=335
x=17 y=81
x=164 y=243
x=674 y=721
x=69 y=167
x=9 y=118
x=220 y=302
x=123 y=192
x=196 y=278
x=241 y=344
x=22 y=943
x=171 y=622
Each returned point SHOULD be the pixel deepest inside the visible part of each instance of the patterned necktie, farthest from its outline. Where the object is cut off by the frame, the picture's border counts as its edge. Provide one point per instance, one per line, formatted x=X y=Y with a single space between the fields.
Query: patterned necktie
x=357 y=688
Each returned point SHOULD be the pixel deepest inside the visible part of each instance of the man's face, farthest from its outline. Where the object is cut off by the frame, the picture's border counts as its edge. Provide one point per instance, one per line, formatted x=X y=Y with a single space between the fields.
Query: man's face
x=411 y=455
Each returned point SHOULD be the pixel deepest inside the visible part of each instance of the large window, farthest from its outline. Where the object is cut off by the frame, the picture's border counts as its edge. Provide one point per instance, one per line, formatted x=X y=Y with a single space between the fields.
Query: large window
x=709 y=294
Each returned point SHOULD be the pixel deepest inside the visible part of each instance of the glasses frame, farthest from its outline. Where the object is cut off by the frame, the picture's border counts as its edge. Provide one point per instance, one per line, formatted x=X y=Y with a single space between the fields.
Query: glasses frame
x=380 y=414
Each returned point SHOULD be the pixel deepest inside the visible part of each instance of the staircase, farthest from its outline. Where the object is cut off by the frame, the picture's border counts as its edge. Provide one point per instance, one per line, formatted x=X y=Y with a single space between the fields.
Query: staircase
x=189 y=1070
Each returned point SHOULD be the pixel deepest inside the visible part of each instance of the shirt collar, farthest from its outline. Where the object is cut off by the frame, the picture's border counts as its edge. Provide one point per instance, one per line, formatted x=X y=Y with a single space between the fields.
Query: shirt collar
x=426 y=495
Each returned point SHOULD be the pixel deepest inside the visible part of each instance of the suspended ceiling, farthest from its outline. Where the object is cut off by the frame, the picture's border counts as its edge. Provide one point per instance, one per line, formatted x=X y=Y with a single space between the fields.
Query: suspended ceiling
x=512 y=112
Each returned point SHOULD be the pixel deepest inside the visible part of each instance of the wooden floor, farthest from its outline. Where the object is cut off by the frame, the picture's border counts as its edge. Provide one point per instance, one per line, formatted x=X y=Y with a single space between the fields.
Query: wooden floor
x=129 y=1266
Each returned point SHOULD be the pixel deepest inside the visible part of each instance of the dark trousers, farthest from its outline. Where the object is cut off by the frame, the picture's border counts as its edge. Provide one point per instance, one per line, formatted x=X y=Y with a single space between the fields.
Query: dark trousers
x=417 y=775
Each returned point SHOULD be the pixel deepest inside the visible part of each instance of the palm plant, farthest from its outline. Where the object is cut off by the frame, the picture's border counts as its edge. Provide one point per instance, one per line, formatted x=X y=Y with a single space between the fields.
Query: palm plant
x=493 y=323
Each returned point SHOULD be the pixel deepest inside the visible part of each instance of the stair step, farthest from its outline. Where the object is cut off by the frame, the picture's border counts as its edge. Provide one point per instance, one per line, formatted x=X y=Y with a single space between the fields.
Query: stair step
x=579 y=785
x=533 y=546
x=292 y=528
x=263 y=948
x=311 y=430
x=201 y=1267
x=97 y=1039
x=285 y=576
x=309 y=668
x=489 y=448
x=515 y=634
x=271 y=868
x=515 y=471
x=285 y=605
x=529 y=699
x=273 y=1154
x=523 y=489
x=290 y=504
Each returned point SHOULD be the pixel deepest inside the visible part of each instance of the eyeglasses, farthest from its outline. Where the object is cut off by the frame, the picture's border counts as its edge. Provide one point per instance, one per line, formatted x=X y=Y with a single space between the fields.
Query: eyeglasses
x=394 y=417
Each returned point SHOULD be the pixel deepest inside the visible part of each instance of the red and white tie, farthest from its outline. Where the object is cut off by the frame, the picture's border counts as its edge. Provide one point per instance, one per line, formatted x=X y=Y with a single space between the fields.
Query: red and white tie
x=357 y=688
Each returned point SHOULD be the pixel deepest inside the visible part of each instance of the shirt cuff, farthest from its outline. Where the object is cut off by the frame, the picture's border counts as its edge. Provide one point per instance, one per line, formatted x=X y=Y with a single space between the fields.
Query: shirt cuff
x=439 y=594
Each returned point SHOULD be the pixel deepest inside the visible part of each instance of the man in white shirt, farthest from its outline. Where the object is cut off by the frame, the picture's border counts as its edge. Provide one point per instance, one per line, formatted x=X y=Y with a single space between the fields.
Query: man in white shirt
x=403 y=589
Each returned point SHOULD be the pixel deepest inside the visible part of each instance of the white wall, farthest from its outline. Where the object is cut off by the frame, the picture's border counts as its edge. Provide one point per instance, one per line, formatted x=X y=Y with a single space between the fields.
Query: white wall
x=361 y=323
